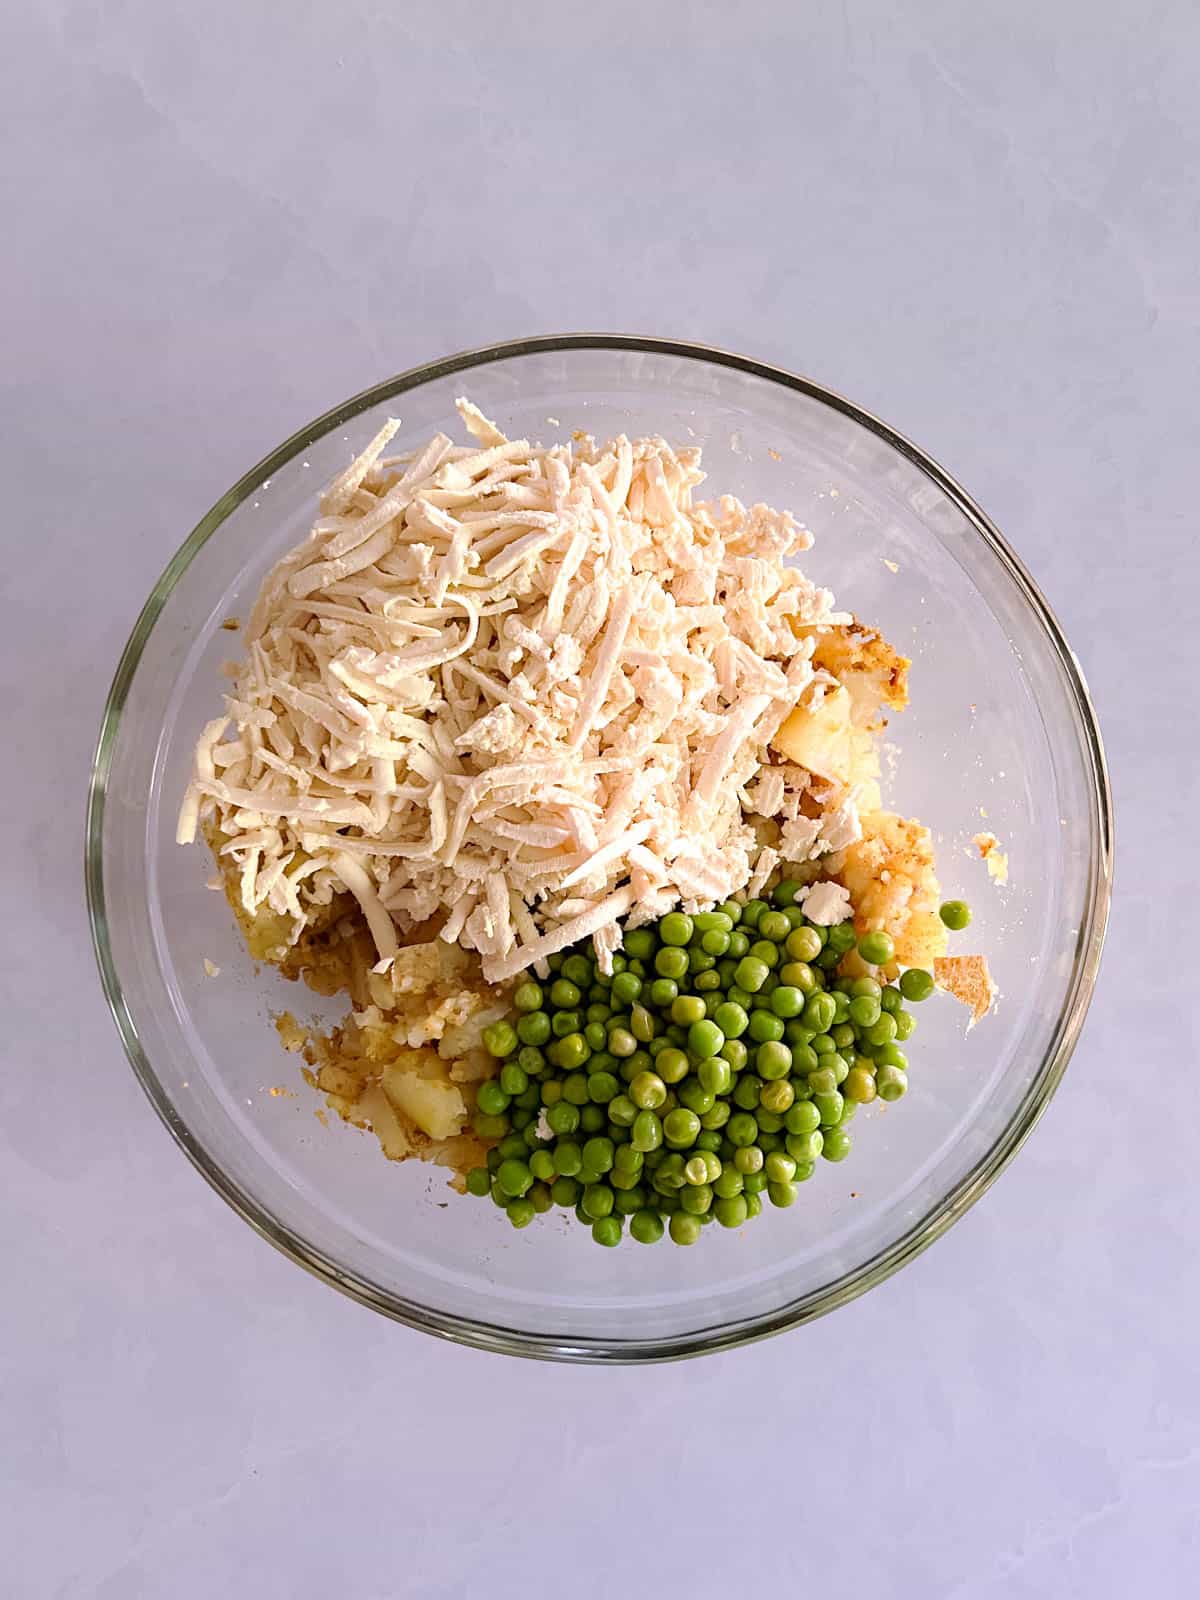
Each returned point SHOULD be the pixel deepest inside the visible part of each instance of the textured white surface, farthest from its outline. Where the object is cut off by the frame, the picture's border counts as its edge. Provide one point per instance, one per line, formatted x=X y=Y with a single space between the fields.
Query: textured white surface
x=982 y=223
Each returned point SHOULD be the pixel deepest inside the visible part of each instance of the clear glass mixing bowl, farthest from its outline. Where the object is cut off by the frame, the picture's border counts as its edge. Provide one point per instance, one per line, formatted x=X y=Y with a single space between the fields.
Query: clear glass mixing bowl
x=1000 y=735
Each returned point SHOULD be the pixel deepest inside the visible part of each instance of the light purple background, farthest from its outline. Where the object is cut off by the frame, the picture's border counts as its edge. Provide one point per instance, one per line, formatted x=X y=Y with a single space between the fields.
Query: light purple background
x=979 y=221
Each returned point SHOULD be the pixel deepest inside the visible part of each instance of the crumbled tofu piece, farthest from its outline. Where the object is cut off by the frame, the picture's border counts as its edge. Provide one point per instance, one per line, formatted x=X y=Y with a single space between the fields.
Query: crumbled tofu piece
x=825 y=903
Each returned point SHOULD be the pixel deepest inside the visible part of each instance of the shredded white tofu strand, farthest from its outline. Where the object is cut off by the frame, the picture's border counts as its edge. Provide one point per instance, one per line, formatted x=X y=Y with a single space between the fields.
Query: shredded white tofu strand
x=522 y=690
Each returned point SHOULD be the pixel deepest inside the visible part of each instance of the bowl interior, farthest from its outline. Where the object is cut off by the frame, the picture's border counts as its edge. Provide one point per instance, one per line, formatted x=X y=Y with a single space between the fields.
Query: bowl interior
x=998 y=737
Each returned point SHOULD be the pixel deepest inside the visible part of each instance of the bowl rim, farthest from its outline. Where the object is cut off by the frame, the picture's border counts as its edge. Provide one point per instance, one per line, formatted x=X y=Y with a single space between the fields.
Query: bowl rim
x=515 y=1341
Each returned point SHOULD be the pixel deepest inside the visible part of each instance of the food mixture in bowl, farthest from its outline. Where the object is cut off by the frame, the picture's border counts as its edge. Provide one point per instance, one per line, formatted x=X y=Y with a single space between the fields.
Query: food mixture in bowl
x=569 y=780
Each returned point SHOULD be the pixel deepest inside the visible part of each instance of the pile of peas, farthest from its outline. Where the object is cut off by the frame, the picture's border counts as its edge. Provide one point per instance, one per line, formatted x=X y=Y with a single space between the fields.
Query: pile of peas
x=722 y=1056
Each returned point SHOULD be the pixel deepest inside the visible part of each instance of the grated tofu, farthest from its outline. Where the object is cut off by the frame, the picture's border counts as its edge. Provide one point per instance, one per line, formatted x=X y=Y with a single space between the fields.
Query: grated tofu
x=525 y=691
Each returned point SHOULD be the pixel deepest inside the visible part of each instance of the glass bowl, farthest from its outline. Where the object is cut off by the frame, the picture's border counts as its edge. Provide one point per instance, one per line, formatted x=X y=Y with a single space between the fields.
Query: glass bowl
x=1000 y=735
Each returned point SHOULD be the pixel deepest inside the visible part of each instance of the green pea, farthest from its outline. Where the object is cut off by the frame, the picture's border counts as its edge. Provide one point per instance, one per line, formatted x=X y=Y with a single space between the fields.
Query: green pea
x=579 y=969
x=531 y=1060
x=777 y=1096
x=675 y=928
x=621 y=1042
x=728 y=1181
x=696 y=1198
x=564 y=1192
x=627 y=1159
x=804 y=1147
x=564 y=994
x=648 y=1091
x=741 y=1129
x=680 y=1127
x=568 y=1158
x=837 y=1144
x=489 y=1127
x=715 y=1117
x=715 y=942
x=563 y=1117
x=787 y=1001
x=916 y=984
x=603 y=1087
x=764 y=1026
x=751 y=974
x=491 y=1098
x=479 y=1181
x=513 y=1080
x=876 y=948
x=622 y=1112
x=773 y=925
x=500 y=1039
x=780 y=1168
x=695 y=1096
x=735 y=1053
x=598 y=1154
x=773 y=1060
x=607 y=1231
x=747 y=1092
x=882 y=1031
x=752 y=910
x=956 y=914
x=891 y=1082
x=906 y=1025
x=688 y=1008
x=714 y=1075
x=640 y=944
x=514 y=1177
x=859 y=1086
x=647 y=1131
x=819 y=1011
x=662 y=992
x=891 y=1000
x=541 y=1164
x=865 y=1011
x=570 y=1052
x=626 y=988
x=527 y=996
x=781 y=1194
x=596 y=1036
x=520 y=1212
x=731 y=1211
x=739 y=997
x=533 y=1028
x=753 y=1205
x=830 y=1106
x=685 y=1228
x=704 y=1039
x=766 y=952
x=802 y=1117
x=739 y=944
x=731 y=1019
x=646 y=1226
x=784 y=894
x=803 y=944
x=671 y=1065
x=670 y=962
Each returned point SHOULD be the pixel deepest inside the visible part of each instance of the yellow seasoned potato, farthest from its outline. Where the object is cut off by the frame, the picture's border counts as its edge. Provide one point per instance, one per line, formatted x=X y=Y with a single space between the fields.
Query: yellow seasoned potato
x=417 y=1085
x=817 y=736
